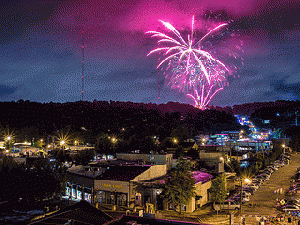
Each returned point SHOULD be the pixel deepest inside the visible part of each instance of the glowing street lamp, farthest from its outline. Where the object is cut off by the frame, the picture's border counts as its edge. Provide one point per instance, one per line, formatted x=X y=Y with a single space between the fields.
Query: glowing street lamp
x=247 y=181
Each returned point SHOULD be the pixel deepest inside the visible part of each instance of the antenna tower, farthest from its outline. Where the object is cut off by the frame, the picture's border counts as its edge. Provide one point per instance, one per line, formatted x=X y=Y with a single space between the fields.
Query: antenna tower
x=82 y=75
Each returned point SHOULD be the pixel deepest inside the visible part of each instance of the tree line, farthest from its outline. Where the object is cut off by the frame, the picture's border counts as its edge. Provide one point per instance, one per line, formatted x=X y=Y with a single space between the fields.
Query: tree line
x=31 y=181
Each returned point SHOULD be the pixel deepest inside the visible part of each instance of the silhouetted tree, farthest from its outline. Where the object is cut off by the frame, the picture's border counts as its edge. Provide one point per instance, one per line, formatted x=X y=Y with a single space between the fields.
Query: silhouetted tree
x=84 y=157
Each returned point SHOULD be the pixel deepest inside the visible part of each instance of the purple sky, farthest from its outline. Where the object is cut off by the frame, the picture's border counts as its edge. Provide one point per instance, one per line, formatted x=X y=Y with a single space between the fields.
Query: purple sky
x=40 y=41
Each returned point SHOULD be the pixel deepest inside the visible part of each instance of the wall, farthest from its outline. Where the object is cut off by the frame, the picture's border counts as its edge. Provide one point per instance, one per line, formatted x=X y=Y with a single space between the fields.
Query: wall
x=201 y=190
x=81 y=180
x=153 y=172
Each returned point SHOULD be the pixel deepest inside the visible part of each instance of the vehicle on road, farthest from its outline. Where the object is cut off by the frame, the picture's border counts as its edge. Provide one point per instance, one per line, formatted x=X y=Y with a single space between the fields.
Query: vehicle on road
x=288 y=208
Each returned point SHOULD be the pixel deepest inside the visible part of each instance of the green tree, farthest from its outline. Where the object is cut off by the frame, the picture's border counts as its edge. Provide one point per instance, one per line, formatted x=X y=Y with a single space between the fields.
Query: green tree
x=179 y=151
x=104 y=145
x=180 y=186
x=295 y=142
x=31 y=181
x=181 y=133
x=219 y=189
x=144 y=144
x=193 y=152
x=168 y=142
x=84 y=157
x=8 y=144
x=61 y=155
x=39 y=144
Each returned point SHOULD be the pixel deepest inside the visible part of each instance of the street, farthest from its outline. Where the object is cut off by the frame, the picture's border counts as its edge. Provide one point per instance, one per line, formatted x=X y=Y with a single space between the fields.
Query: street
x=264 y=199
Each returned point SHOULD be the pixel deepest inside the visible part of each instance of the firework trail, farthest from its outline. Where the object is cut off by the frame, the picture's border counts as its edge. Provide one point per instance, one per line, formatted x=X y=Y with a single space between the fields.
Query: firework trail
x=194 y=68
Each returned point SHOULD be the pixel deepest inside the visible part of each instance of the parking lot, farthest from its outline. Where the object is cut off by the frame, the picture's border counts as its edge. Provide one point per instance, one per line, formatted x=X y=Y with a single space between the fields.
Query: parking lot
x=264 y=200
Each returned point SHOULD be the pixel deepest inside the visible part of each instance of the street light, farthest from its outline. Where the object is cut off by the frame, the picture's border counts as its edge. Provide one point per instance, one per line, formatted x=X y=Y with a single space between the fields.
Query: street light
x=247 y=181
x=62 y=144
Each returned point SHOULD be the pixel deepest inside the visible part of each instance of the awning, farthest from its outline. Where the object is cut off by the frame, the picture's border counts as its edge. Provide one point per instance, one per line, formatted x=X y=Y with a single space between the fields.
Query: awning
x=88 y=190
x=198 y=198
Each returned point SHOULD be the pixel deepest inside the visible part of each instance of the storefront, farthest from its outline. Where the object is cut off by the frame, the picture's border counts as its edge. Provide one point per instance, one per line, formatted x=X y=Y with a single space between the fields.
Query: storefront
x=77 y=192
x=112 y=192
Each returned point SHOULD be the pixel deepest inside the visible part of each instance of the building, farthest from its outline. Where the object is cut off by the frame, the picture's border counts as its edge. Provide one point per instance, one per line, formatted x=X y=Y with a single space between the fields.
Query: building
x=145 y=221
x=84 y=213
x=111 y=184
x=153 y=159
x=79 y=213
x=252 y=145
x=131 y=183
x=233 y=135
x=214 y=159
x=151 y=190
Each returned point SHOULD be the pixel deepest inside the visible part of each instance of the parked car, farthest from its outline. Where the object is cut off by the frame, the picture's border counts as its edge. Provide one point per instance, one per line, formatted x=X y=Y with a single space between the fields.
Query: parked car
x=267 y=172
x=246 y=193
x=265 y=175
x=288 y=208
x=249 y=190
x=238 y=197
x=260 y=179
x=295 y=199
x=229 y=205
x=270 y=170
x=257 y=183
x=293 y=202
x=252 y=185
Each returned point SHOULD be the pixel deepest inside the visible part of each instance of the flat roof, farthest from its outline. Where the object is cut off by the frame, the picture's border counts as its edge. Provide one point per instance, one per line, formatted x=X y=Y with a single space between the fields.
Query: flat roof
x=113 y=172
x=122 y=173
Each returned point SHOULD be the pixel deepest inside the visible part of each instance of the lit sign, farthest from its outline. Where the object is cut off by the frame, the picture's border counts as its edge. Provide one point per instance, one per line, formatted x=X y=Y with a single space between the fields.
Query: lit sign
x=267 y=121
x=114 y=186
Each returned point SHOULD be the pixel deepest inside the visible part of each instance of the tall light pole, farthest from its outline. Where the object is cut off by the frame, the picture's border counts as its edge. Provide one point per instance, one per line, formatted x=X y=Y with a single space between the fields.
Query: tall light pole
x=241 y=195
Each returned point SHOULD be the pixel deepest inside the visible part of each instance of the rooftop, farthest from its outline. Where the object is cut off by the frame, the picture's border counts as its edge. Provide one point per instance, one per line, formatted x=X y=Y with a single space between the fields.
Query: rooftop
x=202 y=177
x=80 y=213
x=112 y=172
x=198 y=175
x=144 y=220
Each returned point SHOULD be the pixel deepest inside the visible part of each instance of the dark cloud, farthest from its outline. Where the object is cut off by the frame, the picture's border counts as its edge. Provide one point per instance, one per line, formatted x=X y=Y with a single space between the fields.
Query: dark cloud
x=6 y=90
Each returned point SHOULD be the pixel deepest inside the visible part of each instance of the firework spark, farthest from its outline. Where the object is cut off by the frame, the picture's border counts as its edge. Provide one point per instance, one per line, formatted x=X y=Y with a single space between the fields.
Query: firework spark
x=194 y=68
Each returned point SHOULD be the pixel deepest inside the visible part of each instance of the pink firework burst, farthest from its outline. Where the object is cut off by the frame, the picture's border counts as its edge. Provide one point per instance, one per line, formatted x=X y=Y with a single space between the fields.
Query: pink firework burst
x=195 y=65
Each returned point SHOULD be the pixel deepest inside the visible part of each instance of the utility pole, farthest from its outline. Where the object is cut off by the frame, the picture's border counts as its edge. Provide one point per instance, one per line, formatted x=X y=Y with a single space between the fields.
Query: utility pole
x=52 y=142
x=241 y=197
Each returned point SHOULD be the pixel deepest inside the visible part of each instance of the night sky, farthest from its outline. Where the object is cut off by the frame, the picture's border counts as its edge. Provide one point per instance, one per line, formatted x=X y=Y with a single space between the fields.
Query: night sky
x=41 y=49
